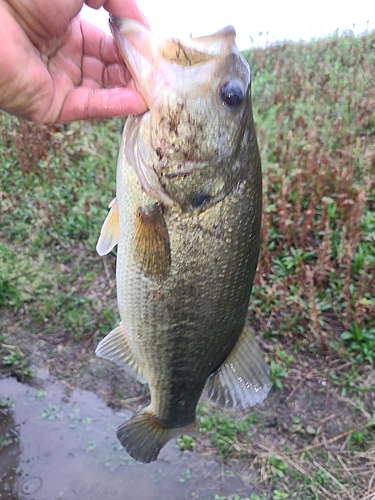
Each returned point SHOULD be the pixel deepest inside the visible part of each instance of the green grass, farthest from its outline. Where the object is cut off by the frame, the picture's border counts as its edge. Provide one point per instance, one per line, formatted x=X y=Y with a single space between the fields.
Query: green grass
x=236 y=497
x=14 y=359
x=56 y=184
x=277 y=373
x=314 y=110
x=360 y=342
x=23 y=279
x=225 y=431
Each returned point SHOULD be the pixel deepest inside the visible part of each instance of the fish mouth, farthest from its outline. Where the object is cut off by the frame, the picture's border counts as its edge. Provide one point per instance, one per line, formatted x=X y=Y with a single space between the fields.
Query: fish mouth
x=170 y=147
x=147 y=57
x=192 y=51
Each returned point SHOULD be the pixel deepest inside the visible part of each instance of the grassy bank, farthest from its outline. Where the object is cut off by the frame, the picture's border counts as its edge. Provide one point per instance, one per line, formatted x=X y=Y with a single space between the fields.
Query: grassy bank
x=313 y=302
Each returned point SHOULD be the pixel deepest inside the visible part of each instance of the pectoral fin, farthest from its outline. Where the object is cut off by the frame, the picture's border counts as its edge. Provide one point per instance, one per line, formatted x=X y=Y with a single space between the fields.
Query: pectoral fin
x=115 y=347
x=243 y=379
x=151 y=243
x=109 y=234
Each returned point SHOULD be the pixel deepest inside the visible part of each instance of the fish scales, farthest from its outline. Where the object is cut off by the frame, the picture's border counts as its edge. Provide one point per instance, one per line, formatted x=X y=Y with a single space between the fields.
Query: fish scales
x=199 y=275
x=188 y=215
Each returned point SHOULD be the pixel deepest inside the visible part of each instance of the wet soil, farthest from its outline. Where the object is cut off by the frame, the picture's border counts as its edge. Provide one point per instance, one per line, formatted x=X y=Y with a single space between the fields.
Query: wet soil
x=59 y=446
x=58 y=433
x=58 y=428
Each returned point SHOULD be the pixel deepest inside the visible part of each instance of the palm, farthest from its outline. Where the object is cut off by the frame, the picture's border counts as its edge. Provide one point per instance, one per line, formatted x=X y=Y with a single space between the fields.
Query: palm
x=59 y=71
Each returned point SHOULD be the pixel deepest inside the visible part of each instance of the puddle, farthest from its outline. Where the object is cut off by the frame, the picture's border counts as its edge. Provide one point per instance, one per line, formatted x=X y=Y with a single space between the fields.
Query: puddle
x=56 y=447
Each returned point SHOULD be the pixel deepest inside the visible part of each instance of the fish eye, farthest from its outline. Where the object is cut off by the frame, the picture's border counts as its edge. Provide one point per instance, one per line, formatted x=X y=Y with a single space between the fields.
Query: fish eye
x=232 y=94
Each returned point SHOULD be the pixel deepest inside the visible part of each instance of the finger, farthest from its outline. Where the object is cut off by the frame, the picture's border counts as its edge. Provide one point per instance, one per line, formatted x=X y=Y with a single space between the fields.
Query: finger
x=85 y=104
x=106 y=76
x=97 y=44
x=117 y=75
x=120 y=8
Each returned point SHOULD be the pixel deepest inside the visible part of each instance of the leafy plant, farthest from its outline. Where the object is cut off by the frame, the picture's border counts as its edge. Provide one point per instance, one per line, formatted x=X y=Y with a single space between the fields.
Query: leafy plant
x=7 y=439
x=277 y=373
x=280 y=495
x=185 y=476
x=361 y=342
x=224 y=430
x=277 y=466
x=185 y=442
x=6 y=403
x=52 y=412
x=253 y=496
x=12 y=357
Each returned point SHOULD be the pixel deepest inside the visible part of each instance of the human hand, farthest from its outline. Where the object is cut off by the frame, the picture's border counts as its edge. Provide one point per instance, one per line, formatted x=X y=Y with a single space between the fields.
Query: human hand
x=55 y=67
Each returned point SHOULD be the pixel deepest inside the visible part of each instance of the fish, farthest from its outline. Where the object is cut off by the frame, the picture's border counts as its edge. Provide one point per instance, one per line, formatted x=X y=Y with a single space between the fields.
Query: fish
x=186 y=221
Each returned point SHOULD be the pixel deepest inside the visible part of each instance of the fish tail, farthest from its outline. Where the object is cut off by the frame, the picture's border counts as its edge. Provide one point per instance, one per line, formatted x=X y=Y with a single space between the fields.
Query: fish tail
x=144 y=435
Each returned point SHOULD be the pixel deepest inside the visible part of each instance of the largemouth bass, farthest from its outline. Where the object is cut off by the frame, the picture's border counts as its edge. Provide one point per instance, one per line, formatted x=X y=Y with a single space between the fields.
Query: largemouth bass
x=186 y=219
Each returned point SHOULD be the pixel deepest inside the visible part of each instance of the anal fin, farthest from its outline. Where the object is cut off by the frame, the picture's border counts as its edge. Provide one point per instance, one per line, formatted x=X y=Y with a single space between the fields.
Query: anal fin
x=115 y=347
x=110 y=230
x=243 y=379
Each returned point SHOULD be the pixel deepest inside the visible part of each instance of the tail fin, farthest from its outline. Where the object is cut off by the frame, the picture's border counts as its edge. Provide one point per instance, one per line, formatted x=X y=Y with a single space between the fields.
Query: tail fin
x=143 y=436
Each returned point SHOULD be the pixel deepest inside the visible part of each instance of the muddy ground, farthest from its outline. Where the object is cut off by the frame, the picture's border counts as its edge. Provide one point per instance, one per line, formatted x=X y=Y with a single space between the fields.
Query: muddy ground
x=301 y=444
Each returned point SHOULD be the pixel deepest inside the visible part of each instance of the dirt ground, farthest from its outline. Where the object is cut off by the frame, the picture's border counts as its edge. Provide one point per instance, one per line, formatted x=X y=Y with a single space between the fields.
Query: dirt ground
x=303 y=432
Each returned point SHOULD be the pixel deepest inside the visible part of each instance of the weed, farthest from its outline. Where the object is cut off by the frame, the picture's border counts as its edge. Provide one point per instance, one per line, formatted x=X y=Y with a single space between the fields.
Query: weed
x=77 y=419
x=50 y=182
x=40 y=394
x=185 y=443
x=90 y=445
x=185 y=476
x=12 y=357
x=6 y=403
x=357 y=437
x=22 y=279
x=224 y=430
x=361 y=342
x=117 y=458
x=277 y=467
x=318 y=256
x=277 y=373
x=8 y=438
x=280 y=495
x=253 y=496
x=53 y=412
x=321 y=477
